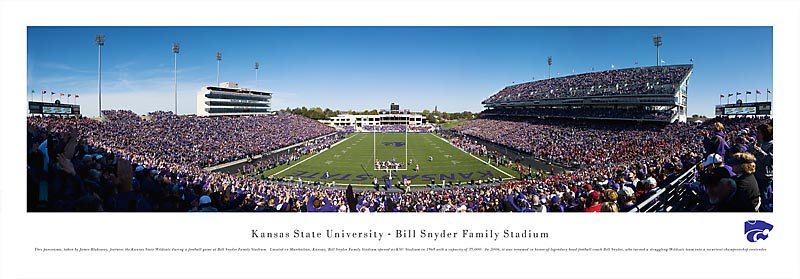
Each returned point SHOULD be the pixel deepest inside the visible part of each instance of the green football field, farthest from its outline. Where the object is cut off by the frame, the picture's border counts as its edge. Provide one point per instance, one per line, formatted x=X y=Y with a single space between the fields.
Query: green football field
x=352 y=161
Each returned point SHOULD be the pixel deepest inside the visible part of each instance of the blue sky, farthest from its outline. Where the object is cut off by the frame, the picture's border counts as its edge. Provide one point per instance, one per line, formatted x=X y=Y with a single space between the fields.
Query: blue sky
x=359 y=68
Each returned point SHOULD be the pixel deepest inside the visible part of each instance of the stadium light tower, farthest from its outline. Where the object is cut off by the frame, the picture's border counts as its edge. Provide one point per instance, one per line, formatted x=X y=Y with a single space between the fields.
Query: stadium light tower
x=176 y=47
x=219 y=58
x=256 y=75
x=549 y=63
x=99 y=40
x=657 y=43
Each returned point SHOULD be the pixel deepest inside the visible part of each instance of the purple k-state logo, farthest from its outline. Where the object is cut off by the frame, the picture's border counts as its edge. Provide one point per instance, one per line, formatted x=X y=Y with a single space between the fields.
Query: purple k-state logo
x=395 y=143
x=755 y=230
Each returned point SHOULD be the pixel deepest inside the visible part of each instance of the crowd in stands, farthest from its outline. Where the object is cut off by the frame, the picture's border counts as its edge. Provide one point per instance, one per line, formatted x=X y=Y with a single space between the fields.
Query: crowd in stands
x=595 y=145
x=585 y=113
x=643 y=157
x=348 y=129
x=73 y=165
x=737 y=172
x=649 y=80
x=199 y=141
x=470 y=146
x=161 y=147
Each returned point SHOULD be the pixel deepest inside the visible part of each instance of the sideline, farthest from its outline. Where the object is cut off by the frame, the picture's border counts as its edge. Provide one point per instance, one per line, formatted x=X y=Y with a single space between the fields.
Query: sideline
x=312 y=156
x=256 y=157
x=473 y=156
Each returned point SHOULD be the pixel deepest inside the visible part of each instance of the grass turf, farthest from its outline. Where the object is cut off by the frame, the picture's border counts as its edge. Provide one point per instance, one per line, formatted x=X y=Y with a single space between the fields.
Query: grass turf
x=351 y=161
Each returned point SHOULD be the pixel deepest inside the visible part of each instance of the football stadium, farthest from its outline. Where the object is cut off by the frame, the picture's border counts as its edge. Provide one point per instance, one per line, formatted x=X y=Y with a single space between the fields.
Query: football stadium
x=612 y=140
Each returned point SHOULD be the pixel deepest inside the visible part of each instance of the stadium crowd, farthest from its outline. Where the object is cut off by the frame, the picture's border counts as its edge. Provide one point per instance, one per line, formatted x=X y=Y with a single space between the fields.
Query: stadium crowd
x=645 y=156
x=586 y=144
x=649 y=80
x=172 y=149
x=347 y=129
x=470 y=146
x=617 y=113
x=129 y=163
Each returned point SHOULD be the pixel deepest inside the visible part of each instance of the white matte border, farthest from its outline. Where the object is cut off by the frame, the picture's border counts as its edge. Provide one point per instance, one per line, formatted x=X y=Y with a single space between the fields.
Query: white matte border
x=20 y=232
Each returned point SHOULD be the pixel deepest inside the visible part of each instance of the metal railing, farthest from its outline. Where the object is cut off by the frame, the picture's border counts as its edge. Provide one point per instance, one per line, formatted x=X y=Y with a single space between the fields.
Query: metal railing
x=666 y=198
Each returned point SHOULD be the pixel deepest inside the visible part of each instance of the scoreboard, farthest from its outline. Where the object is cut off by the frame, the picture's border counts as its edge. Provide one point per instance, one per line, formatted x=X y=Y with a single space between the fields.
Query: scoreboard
x=740 y=110
x=56 y=108
x=760 y=108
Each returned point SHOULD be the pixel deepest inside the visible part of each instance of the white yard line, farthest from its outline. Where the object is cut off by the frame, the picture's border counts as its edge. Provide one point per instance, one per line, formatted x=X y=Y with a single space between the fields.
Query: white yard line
x=473 y=156
x=413 y=185
x=312 y=156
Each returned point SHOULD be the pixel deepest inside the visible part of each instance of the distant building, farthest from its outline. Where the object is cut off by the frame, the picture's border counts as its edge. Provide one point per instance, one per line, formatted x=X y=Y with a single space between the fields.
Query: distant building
x=229 y=99
x=358 y=121
x=393 y=117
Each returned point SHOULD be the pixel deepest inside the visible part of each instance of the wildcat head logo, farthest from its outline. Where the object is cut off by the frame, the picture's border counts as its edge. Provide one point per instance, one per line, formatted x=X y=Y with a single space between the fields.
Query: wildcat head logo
x=755 y=230
x=395 y=143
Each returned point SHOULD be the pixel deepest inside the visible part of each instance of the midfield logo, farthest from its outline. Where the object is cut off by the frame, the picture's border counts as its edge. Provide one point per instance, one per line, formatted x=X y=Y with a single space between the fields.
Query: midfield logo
x=395 y=143
x=755 y=230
